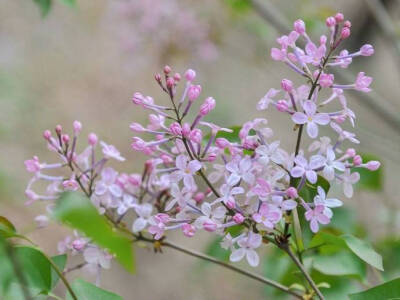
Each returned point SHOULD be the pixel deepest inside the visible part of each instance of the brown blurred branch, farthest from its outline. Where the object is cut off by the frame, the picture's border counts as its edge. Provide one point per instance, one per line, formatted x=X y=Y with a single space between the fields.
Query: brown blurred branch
x=373 y=101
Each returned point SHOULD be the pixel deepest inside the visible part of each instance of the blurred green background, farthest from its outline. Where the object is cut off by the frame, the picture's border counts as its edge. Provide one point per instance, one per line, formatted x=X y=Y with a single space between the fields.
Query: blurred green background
x=84 y=61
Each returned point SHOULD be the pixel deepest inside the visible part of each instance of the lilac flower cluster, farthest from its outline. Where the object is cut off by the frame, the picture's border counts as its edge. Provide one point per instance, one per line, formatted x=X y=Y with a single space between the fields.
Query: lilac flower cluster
x=195 y=179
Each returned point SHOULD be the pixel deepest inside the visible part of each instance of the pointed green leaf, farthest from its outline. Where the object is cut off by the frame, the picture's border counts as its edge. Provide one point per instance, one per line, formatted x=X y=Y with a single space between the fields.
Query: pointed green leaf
x=385 y=291
x=87 y=291
x=340 y=264
x=78 y=212
x=60 y=261
x=44 y=6
x=364 y=251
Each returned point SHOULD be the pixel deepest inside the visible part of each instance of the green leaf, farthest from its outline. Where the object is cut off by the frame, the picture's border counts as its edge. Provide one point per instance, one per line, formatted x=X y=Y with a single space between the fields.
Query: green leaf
x=7 y=229
x=387 y=290
x=36 y=267
x=239 y=6
x=327 y=243
x=340 y=264
x=44 y=6
x=369 y=180
x=364 y=251
x=70 y=3
x=87 y=291
x=78 y=212
x=60 y=261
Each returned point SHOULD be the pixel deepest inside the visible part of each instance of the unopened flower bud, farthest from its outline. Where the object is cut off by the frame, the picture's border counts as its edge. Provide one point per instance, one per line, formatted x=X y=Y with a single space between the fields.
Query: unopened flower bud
x=367 y=50
x=282 y=106
x=190 y=75
x=170 y=82
x=137 y=98
x=92 y=139
x=47 y=135
x=345 y=33
x=136 y=127
x=177 y=77
x=291 y=192
x=194 y=92
x=207 y=106
x=186 y=129
x=188 y=230
x=339 y=17
x=357 y=160
x=199 y=197
x=326 y=80
x=222 y=143
x=347 y=24
x=175 y=128
x=209 y=226
x=167 y=70
x=351 y=152
x=231 y=204
x=373 y=165
x=58 y=129
x=287 y=85
x=196 y=136
x=65 y=138
x=211 y=157
x=299 y=26
x=157 y=77
x=166 y=159
x=77 y=127
x=330 y=21
x=238 y=218
x=78 y=244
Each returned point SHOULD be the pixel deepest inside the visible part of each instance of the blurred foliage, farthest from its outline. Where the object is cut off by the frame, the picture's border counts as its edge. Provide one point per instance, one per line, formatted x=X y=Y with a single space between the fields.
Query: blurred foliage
x=388 y=290
x=78 y=212
x=370 y=180
x=87 y=291
x=45 y=5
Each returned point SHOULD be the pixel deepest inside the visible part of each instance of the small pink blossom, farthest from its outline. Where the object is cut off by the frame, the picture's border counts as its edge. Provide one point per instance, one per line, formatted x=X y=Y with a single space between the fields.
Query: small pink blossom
x=362 y=82
x=32 y=165
x=110 y=151
x=247 y=245
x=311 y=118
x=268 y=215
x=185 y=171
x=308 y=169
x=316 y=216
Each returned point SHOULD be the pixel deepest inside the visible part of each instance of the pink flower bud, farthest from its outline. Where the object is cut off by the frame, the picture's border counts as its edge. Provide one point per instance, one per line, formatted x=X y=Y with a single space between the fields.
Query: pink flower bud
x=222 y=143
x=65 y=138
x=137 y=98
x=326 y=80
x=166 y=159
x=170 y=82
x=135 y=179
x=199 y=197
x=92 y=138
x=47 y=135
x=238 y=218
x=175 y=128
x=78 y=244
x=339 y=119
x=367 y=50
x=292 y=192
x=339 y=17
x=231 y=204
x=207 y=106
x=167 y=70
x=58 y=129
x=136 y=127
x=163 y=218
x=211 y=157
x=351 y=152
x=186 y=129
x=323 y=39
x=347 y=24
x=32 y=165
x=299 y=26
x=373 y=165
x=330 y=21
x=77 y=127
x=177 y=77
x=188 y=230
x=357 y=160
x=345 y=33
x=209 y=226
x=194 y=92
x=157 y=77
x=287 y=85
x=190 y=75
x=282 y=106
x=196 y=135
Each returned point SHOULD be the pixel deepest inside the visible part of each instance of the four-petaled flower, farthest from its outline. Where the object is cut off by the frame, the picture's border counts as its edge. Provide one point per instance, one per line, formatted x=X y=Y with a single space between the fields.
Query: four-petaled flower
x=311 y=118
x=186 y=171
x=268 y=215
x=240 y=169
x=247 y=245
x=302 y=167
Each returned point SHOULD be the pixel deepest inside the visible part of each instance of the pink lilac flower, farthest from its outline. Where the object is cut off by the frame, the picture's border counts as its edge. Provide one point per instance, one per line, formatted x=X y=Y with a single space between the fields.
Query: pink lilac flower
x=185 y=171
x=110 y=151
x=127 y=202
x=269 y=152
x=180 y=197
x=97 y=257
x=268 y=215
x=144 y=214
x=331 y=164
x=107 y=189
x=344 y=135
x=240 y=169
x=348 y=179
x=247 y=244
x=228 y=194
x=308 y=169
x=322 y=145
x=211 y=217
x=267 y=99
x=328 y=203
x=316 y=216
x=362 y=82
x=311 y=118
x=285 y=205
x=32 y=165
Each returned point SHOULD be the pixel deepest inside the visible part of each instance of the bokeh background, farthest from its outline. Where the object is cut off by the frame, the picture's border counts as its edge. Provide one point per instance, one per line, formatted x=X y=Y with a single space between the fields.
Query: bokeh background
x=84 y=63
